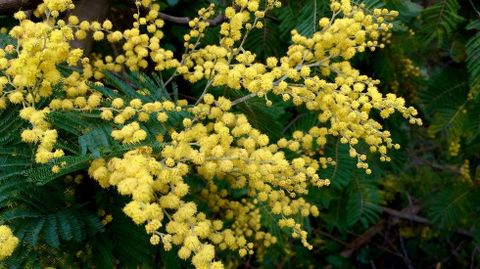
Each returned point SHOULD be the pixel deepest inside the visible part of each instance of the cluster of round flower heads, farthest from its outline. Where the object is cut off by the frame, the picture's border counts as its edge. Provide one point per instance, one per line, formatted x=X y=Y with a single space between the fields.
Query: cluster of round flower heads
x=8 y=242
x=217 y=145
x=40 y=133
x=213 y=141
x=344 y=103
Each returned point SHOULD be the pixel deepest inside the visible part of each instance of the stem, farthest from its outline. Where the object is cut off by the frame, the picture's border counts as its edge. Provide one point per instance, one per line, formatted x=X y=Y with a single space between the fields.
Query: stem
x=204 y=91
x=243 y=99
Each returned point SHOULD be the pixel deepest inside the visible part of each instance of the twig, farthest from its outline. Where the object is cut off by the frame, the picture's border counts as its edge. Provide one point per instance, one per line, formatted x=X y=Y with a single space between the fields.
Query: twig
x=408 y=213
x=472 y=257
x=330 y=237
x=405 y=215
x=453 y=252
x=416 y=218
x=10 y=6
x=242 y=99
x=406 y=259
x=474 y=8
x=184 y=20
x=442 y=167
x=209 y=82
x=362 y=239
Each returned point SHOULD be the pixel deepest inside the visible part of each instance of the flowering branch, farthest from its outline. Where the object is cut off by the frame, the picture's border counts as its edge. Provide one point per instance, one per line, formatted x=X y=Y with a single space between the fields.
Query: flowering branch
x=9 y=6
x=184 y=20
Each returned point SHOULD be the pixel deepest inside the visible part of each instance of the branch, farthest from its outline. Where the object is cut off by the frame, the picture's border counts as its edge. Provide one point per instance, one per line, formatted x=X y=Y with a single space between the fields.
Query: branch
x=184 y=20
x=376 y=229
x=362 y=239
x=408 y=213
x=418 y=219
x=10 y=6
x=242 y=99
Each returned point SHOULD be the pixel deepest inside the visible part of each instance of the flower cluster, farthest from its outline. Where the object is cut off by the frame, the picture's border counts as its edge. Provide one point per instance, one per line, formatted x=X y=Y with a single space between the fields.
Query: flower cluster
x=157 y=190
x=8 y=242
x=344 y=103
x=40 y=133
x=220 y=145
x=409 y=68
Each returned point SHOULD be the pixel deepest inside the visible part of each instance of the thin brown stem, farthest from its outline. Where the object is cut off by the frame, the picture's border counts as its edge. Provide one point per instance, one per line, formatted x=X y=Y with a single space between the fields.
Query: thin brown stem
x=184 y=20
x=10 y=6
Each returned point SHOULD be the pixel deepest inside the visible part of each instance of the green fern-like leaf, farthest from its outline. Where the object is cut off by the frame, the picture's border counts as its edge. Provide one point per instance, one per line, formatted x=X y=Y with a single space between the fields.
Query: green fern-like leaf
x=74 y=123
x=43 y=219
x=43 y=174
x=122 y=86
x=303 y=122
x=446 y=99
x=310 y=16
x=451 y=120
x=407 y=8
x=449 y=206
x=302 y=16
x=95 y=140
x=363 y=201
x=268 y=119
x=265 y=42
x=440 y=21
x=342 y=172
x=473 y=63
x=152 y=87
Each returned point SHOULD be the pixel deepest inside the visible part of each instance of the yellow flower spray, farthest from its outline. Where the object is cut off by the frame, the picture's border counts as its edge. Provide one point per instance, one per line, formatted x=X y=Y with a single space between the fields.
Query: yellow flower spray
x=215 y=142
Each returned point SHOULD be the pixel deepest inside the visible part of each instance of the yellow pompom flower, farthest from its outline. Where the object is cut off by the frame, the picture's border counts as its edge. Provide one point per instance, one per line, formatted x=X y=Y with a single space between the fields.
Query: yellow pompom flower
x=8 y=242
x=98 y=35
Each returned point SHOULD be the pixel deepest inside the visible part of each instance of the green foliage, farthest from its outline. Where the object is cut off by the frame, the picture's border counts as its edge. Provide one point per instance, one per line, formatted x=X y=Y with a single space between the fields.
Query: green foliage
x=363 y=200
x=447 y=94
x=449 y=207
x=473 y=59
x=302 y=16
x=266 y=42
x=440 y=21
x=270 y=120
